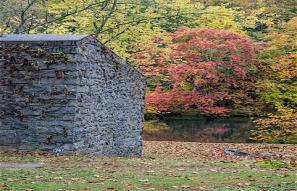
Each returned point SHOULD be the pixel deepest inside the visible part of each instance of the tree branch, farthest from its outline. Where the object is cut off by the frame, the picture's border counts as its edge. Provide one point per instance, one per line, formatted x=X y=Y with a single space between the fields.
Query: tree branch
x=106 y=18
x=23 y=16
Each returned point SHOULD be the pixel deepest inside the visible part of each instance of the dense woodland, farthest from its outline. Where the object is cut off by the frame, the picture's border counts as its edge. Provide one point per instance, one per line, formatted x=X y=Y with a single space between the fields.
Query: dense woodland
x=215 y=58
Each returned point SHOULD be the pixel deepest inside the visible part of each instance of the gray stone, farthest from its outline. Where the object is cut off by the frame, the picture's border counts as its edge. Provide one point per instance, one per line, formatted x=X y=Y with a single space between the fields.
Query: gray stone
x=69 y=92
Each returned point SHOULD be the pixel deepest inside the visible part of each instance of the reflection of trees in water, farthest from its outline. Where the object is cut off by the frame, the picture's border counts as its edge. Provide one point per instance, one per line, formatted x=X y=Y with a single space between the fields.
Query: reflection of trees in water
x=215 y=131
x=156 y=131
x=229 y=130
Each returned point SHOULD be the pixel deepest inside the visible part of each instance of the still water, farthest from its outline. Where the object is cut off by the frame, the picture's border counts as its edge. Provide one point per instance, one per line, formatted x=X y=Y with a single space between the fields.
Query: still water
x=198 y=129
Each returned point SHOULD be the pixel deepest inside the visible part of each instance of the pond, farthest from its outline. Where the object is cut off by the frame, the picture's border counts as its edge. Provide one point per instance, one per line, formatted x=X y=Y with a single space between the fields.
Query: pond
x=199 y=129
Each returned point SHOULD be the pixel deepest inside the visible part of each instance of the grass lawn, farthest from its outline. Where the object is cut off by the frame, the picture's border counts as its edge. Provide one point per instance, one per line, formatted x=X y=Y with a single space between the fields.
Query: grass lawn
x=164 y=166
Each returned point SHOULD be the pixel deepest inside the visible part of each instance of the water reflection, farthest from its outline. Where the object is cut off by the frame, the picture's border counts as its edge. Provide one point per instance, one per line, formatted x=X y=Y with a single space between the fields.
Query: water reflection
x=232 y=130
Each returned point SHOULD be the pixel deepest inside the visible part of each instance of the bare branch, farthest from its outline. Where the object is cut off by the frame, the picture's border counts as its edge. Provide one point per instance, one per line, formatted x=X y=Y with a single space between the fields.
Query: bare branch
x=48 y=21
x=23 y=16
x=114 y=37
x=106 y=18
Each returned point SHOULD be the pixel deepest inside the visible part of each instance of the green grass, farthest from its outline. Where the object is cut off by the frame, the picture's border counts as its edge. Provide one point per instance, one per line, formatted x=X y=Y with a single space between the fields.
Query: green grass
x=148 y=173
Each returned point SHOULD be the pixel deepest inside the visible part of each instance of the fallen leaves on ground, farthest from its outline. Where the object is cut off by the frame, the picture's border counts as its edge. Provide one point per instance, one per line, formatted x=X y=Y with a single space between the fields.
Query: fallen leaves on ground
x=209 y=151
x=215 y=151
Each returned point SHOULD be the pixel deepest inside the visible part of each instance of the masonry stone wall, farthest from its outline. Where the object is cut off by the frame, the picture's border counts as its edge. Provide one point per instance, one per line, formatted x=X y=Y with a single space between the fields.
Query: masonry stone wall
x=74 y=95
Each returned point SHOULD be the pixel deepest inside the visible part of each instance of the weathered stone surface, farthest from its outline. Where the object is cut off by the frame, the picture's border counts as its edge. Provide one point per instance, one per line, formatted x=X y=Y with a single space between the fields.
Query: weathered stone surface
x=74 y=94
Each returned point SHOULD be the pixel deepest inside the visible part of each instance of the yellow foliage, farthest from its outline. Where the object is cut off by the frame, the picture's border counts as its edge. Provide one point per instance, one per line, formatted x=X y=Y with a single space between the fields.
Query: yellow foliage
x=278 y=128
x=287 y=37
x=219 y=17
x=287 y=66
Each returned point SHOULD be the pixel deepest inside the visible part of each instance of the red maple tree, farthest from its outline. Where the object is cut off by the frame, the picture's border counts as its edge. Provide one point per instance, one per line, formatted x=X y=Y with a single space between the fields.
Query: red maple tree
x=206 y=70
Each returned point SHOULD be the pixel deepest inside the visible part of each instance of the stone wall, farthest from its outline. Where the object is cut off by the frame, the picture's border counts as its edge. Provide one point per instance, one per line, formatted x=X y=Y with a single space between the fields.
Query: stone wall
x=83 y=100
x=110 y=103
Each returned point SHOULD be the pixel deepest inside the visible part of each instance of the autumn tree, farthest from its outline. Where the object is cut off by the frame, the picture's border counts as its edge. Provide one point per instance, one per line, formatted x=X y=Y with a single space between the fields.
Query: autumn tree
x=278 y=87
x=206 y=70
x=280 y=125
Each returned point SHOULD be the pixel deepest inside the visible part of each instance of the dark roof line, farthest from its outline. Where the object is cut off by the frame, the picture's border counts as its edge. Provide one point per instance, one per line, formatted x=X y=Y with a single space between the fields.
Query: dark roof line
x=40 y=37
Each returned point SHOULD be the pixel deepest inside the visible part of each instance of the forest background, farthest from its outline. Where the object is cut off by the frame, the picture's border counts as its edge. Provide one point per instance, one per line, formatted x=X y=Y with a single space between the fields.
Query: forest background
x=215 y=58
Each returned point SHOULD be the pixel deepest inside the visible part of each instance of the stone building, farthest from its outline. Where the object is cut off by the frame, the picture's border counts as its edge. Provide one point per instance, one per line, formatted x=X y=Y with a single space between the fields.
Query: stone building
x=68 y=93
